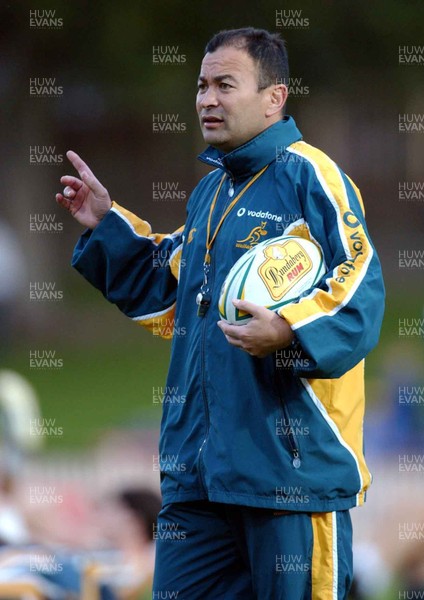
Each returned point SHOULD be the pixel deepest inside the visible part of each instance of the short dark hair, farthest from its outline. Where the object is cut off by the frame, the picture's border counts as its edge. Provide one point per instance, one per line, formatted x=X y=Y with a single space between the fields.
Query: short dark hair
x=144 y=505
x=266 y=49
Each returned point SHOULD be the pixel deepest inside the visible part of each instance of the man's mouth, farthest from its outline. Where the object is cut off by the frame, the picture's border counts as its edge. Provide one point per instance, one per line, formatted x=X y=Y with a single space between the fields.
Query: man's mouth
x=211 y=122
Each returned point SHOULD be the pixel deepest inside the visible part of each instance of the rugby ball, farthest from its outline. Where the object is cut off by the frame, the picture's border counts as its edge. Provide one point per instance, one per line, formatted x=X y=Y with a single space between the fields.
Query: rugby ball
x=271 y=274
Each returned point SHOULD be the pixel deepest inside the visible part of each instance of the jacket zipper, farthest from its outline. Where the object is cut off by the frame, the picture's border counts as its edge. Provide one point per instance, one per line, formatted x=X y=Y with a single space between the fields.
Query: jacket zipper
x=205 y=400
x=202 y=351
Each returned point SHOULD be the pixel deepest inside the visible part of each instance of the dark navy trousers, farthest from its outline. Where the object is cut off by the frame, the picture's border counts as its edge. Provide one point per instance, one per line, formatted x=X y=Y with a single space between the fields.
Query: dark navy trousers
x=212 y=551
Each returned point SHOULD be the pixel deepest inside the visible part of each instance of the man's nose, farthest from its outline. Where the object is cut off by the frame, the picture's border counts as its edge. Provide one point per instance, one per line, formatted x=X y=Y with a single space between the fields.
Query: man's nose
x=209 y=98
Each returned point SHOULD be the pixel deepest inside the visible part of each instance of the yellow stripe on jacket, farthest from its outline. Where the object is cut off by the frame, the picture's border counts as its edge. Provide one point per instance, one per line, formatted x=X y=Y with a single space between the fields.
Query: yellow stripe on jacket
x=161 y=324
x=343 y=403
x=347 y=276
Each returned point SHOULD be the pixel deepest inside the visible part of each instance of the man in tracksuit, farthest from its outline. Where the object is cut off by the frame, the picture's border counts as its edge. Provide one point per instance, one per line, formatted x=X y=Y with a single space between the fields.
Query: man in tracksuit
x=262 y=459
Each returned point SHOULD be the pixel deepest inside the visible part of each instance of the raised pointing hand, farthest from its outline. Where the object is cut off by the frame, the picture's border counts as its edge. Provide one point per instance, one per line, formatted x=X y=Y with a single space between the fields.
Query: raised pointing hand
x=86 y=199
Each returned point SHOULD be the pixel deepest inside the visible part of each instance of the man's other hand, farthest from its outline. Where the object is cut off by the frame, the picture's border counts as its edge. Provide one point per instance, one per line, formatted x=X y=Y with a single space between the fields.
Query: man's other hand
x=265 y=333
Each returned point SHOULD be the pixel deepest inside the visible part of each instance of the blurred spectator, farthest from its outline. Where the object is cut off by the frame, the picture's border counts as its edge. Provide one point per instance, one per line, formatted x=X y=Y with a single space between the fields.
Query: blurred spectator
x=396 y=424
x=13 y=529
x=12 y=278
x=18 y=406
x=411 y=572
x=127 y=522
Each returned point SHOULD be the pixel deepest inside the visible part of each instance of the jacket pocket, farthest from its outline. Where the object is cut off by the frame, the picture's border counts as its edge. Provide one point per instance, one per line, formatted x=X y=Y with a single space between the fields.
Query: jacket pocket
x=288 y=433
x=288 y=424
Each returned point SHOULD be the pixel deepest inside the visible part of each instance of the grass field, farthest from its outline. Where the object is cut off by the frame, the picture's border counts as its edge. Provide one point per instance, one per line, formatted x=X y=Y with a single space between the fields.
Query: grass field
x=98 y=388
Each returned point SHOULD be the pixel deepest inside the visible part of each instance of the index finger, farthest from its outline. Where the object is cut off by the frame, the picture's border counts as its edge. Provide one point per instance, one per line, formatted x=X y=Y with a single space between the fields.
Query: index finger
x=79 y=164
x=249 y=307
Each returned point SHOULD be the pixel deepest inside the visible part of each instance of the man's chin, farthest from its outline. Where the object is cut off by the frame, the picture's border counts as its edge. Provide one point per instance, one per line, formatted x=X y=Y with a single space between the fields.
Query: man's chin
x=214 y=139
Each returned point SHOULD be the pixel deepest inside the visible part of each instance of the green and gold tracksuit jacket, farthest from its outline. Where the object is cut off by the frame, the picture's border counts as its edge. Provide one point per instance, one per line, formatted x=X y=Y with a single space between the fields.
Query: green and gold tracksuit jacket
x=284 y=431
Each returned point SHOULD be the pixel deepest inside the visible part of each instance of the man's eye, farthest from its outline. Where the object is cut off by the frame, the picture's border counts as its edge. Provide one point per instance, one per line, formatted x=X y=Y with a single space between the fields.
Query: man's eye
x=225 y=86
x=201 y=87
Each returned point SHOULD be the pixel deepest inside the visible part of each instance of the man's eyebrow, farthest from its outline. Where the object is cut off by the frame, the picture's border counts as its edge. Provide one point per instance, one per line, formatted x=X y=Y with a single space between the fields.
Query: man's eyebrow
x=219 y=78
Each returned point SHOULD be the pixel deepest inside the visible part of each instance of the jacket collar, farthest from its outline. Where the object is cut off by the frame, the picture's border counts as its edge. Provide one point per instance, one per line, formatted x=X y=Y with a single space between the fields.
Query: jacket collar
x=249 y=158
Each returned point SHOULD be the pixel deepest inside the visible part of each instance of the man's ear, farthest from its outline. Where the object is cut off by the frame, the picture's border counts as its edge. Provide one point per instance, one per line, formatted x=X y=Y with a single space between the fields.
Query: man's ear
x=277 y=98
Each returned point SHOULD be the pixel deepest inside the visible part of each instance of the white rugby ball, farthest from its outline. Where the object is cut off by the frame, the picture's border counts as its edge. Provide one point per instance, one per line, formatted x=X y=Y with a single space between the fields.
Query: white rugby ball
x=271 y=274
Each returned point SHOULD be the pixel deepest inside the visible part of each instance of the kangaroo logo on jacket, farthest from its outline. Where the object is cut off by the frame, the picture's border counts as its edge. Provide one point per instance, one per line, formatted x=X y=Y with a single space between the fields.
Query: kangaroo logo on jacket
x=191 y=235
x=253 y=238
